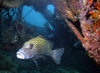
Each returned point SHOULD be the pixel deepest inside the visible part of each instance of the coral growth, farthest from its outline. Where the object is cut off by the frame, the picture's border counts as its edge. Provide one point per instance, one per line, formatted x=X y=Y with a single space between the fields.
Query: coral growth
x=12 y=3
x=91 y=31
x=9 y=35
x=88 y=13
x=20 y=28
x=8 y=46
x=69 y=8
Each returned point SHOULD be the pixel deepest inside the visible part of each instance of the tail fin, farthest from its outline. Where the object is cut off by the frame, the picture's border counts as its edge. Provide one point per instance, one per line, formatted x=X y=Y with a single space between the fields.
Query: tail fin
x=56 y=55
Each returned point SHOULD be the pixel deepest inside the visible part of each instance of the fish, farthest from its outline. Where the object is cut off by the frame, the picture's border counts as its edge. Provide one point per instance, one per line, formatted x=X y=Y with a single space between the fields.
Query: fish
x=39 y=47
x=77 y=44
x=51 y=35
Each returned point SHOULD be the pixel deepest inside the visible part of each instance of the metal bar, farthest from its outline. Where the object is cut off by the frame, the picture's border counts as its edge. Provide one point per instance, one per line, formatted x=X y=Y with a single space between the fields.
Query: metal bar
x=28 y=13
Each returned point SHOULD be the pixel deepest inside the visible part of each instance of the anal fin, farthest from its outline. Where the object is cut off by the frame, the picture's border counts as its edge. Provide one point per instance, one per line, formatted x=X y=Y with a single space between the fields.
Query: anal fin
x=36 y=64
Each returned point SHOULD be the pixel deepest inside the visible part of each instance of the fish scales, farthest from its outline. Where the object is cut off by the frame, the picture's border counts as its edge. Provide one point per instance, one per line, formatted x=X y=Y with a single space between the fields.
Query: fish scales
x=39 y=47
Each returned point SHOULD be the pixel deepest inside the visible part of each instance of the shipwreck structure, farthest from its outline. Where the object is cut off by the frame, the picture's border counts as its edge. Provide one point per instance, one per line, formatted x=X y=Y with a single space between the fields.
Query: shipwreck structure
x=82 y=16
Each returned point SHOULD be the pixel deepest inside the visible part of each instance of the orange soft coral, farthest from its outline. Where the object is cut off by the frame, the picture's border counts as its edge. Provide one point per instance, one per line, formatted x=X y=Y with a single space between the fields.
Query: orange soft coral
x=96 y=28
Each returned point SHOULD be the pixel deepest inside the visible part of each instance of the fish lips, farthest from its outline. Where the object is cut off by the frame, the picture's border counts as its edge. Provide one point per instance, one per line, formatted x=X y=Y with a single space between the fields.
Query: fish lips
x=21 y=55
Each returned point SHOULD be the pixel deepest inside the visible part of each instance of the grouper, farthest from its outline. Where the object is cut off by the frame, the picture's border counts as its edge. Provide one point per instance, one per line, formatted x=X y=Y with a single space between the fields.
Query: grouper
x=39 y=47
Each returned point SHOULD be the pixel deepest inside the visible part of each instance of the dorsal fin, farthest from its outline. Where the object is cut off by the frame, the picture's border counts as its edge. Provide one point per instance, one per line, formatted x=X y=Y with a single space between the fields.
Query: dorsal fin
x=41 y=36
x=51 y=44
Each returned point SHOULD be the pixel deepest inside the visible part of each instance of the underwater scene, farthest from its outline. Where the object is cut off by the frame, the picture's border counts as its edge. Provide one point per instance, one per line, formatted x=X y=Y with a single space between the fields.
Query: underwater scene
x=50 y=36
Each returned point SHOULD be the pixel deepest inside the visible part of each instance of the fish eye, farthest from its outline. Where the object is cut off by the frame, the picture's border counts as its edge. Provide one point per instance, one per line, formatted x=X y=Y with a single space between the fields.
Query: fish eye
x=30 y=46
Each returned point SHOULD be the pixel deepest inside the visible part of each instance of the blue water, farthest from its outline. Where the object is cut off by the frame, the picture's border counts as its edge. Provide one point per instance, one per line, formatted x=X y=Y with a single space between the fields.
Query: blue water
x=35 y=18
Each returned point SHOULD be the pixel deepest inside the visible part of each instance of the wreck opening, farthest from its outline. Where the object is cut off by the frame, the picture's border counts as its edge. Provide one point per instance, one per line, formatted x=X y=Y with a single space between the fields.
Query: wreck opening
x=23 y=20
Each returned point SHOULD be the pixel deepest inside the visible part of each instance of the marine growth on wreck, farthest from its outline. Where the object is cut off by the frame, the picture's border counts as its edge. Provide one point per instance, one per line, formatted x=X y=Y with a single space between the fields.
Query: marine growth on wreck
x=75 y=27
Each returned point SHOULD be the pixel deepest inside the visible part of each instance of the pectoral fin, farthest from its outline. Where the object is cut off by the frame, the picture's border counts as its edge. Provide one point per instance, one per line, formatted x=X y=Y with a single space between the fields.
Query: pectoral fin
x=51 y=44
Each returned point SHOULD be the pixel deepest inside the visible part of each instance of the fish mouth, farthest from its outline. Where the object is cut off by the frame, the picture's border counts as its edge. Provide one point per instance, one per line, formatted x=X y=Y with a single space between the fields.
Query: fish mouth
x=21 y=55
